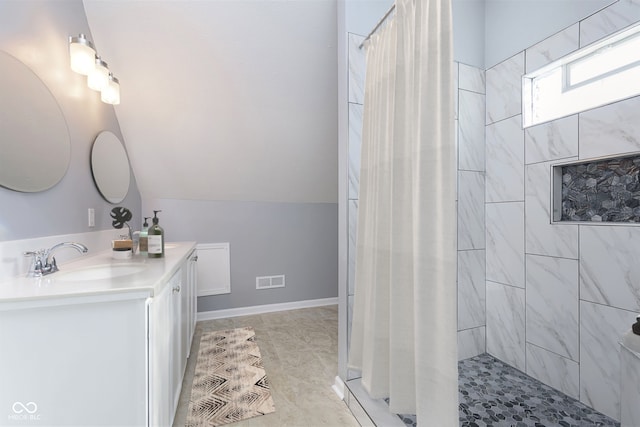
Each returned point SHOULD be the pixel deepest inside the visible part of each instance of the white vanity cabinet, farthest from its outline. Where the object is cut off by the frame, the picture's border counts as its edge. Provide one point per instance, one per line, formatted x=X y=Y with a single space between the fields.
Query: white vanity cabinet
x=173 y=310
x=111 y=354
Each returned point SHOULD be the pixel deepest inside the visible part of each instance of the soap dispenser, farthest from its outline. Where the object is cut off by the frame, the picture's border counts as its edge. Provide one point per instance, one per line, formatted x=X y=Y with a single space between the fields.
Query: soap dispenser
x=155 y=238
x=144 y=241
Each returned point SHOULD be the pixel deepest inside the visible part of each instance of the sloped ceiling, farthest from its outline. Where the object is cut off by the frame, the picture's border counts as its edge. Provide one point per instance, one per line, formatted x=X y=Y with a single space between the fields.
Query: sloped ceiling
x=225 y=99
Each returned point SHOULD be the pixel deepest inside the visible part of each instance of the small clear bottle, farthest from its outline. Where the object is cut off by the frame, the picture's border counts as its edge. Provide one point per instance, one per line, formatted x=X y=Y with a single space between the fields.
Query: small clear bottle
x=143 y=244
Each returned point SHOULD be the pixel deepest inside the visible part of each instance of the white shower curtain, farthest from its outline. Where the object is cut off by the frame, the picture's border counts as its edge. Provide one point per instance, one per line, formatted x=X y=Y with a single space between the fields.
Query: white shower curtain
x=404 y=316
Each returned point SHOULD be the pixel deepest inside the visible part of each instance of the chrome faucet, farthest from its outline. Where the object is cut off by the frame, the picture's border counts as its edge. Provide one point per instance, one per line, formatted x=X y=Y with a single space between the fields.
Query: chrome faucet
x=45 y=263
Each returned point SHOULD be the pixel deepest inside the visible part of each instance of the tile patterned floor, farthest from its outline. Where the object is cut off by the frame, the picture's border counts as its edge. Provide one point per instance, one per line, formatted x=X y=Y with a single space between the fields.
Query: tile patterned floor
x=493 y=393
x=300 y=355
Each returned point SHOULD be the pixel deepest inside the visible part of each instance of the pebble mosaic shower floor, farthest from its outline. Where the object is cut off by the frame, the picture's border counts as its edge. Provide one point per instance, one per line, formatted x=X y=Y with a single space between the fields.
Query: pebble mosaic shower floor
x=492 y=393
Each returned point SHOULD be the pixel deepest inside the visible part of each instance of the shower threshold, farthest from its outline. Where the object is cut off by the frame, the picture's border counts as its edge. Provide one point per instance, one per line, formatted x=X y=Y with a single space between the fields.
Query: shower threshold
x=490 y=393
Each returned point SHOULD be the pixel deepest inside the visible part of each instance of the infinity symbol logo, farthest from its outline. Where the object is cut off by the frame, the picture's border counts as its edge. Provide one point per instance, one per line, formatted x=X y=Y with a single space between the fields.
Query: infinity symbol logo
x=19 y=407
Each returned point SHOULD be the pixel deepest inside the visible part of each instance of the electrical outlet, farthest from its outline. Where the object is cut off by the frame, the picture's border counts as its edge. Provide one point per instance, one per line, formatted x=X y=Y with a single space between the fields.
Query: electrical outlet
x=92 y=217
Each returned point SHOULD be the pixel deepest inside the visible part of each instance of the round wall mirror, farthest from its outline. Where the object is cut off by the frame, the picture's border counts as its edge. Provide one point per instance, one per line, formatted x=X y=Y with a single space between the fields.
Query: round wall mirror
x=35 y=149
x=110 y=167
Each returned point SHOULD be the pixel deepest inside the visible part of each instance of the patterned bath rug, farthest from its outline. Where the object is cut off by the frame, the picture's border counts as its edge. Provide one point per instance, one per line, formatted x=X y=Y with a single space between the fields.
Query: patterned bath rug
x=230 y=383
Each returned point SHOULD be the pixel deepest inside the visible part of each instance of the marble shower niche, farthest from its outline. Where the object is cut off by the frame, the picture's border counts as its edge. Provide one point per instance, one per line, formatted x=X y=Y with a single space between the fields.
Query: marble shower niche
x=602 y=190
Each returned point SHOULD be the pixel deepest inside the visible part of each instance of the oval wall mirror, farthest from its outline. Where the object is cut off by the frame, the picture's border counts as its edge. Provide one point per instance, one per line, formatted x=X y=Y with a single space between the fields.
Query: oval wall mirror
x=110 y=167
x=35 y=149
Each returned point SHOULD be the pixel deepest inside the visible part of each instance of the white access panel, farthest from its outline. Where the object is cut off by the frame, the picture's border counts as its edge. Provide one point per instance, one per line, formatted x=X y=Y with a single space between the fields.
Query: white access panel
x=214 y=269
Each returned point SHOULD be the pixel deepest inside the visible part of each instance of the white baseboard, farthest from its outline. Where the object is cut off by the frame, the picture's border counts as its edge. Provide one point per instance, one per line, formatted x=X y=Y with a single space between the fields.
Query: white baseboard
x=338 y=387
x=267 y=308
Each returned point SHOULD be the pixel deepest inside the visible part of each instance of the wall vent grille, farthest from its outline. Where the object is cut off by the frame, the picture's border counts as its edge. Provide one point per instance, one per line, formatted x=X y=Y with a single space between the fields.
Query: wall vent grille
x=270 y=282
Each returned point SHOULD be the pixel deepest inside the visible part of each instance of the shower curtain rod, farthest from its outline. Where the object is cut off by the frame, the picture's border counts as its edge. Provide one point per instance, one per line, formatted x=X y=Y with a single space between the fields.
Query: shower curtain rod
x=380 y=22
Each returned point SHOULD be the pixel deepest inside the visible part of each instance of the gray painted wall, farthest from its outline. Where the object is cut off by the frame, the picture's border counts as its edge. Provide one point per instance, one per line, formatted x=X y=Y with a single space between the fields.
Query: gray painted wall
x=468 y=31
x=36 y=32
x=299 y=240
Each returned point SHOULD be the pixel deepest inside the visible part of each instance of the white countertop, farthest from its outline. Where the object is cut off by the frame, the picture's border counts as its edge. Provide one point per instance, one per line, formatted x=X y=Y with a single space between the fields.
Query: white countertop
x=55 y=288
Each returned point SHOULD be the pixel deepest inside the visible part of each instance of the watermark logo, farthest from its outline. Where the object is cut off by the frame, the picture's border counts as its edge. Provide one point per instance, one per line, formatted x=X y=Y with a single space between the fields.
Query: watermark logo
x=24 y=411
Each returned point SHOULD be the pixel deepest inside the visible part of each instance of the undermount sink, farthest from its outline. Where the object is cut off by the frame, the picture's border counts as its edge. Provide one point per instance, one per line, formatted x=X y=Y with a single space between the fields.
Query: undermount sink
x=101 y=272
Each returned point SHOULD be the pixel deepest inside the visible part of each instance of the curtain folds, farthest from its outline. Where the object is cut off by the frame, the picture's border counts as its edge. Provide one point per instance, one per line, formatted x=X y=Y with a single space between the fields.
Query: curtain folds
x=404 y=316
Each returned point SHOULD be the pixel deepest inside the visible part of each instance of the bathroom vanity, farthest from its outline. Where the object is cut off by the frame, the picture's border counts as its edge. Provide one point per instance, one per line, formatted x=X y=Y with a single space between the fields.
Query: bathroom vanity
x=101 y=342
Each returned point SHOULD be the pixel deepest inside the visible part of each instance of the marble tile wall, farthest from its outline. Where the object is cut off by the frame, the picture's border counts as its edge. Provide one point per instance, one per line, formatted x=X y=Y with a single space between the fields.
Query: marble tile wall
x=506 y=323
x=601 y=328
x=471 y=131
x=619 y=15
x=471 y=342
x=351 y=250
x=470 y=210
x=505 y=160
x=471 y=213
x=559 y=296
x=555 y=47
x=542 y=237
x=551 y=141
x=356 y=63
x=609 y=267
x=552 y=305
x=619 y=123
x=355 y=140
x=504 y=95
x=471 y=289
x=559 y=372
x=505 y=243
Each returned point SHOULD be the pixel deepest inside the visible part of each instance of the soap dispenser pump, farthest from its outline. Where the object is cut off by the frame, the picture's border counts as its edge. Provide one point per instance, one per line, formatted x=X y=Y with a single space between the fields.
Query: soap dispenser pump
x=636 y=326
x=155 y=238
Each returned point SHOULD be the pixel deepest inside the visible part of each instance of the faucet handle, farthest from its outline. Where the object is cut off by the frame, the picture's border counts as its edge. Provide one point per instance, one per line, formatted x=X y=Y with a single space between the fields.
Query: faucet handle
x=53 y=266
x=37 y=255
x=32 y=253
x=36 y=265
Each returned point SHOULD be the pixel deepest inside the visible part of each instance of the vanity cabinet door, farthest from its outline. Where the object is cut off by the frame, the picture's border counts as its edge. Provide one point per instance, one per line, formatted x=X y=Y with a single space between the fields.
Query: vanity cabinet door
x=178 y=358
x=74 y=363
x=165 y=381
x=160 y=328
x=193 y=296
x=189 y=304
x=171 y=326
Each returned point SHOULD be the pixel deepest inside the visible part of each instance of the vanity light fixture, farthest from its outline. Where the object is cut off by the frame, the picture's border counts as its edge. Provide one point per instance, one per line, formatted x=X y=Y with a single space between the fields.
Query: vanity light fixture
x=84 y=60
x=98 y=78
x=111 y=93
x=82 y=54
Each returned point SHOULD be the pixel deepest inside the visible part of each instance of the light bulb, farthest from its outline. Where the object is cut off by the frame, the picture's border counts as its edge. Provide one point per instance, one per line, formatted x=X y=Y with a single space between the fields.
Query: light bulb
x=82 y=54
x=98 y=78
x=111 y=92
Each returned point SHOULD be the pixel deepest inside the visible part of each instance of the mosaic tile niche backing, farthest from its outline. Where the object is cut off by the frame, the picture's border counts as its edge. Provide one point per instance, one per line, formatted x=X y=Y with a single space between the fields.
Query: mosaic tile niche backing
x=606 y=190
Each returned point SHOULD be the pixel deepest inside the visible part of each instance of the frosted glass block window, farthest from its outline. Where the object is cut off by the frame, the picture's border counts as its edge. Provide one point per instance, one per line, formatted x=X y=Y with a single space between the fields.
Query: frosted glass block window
x=604 y=72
